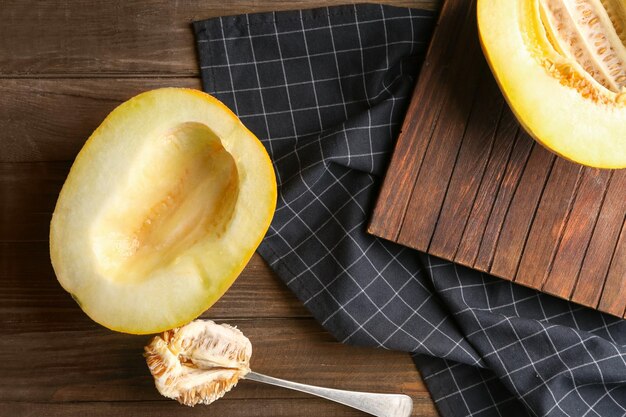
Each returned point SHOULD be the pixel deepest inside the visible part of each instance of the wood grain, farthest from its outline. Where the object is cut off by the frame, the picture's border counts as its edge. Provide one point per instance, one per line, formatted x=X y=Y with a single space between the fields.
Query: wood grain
x=476 y=225
x=117 y=37
x=408 y=155
x=614 y=292
x=100 y=365
x=243 y=407
x=602 y=247
x=32 y=190
x=514 y=168
x=63 y=67
x=548 y=223
x=31 y=299
x=50 y=119
x=467 y=184
x=521 y=211
x=459 y=92
x=575 y=238
x=473 y=156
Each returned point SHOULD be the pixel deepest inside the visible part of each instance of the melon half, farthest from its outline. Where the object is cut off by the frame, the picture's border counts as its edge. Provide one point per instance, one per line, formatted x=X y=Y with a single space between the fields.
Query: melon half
x=561 y=65
x=162 y=209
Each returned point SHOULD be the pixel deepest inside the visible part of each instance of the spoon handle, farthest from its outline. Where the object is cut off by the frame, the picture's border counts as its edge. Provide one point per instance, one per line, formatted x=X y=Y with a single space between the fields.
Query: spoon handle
x=380 y=405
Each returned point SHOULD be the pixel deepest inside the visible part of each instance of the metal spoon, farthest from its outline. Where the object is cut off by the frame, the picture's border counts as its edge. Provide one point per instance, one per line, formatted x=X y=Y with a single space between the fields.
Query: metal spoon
x=380 y=405
x=201 y=361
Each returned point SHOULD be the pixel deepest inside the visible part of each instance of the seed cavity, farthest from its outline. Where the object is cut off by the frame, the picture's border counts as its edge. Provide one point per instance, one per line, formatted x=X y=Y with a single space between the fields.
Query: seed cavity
x=588 y=37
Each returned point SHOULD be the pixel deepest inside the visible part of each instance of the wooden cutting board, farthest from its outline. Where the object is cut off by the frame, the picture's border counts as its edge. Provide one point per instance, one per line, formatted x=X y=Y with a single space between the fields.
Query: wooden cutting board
x=467 y=184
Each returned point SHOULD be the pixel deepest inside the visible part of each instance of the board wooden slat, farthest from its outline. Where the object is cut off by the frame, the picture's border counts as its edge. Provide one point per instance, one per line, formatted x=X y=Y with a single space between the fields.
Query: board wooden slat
x=548 y=223
x=476 y=224
x=575 y=238
x=411 y=153
x=602 y=247
x=498 y=202
x=520 y=212
x=512 y=176
x=473 y=155
x=436 y=168
x=614 y=293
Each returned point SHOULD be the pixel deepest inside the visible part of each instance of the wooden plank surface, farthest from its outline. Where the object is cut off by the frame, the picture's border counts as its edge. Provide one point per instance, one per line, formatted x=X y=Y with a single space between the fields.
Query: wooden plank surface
x=603 y=245
x=513 y=169
x=41 y=38
x=491 y=182
x=459 y=93
x=548 y=223
x=575 y=238
x=100 y=365
x=242 y=407
x=614 y=292
x=503 y=205
x=63 y=67
x=473 y=156
x=50 y=119
x=409 y=154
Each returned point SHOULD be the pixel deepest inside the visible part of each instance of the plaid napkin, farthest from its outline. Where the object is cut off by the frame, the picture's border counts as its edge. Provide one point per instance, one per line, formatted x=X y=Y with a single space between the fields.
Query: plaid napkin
x=326 y=90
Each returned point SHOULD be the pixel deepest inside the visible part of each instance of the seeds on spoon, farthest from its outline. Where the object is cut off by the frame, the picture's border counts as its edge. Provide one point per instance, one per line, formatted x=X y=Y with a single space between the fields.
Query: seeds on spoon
x=199 y=362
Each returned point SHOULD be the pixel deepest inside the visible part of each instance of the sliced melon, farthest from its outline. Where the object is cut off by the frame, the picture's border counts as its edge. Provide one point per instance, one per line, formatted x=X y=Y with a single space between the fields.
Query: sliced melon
x=561 y=65
x=162 y=209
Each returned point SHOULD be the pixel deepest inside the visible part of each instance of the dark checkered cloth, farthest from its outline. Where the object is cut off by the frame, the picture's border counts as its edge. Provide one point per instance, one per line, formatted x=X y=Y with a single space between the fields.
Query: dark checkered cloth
x=326 y=91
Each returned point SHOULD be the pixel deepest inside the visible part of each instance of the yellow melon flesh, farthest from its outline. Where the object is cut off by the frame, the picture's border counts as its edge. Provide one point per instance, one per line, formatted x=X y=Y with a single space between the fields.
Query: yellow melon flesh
x=561 y=65
x=162 y=209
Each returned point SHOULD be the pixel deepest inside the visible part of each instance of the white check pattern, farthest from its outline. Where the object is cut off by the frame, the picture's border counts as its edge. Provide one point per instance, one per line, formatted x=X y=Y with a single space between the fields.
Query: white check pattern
x=326 y=90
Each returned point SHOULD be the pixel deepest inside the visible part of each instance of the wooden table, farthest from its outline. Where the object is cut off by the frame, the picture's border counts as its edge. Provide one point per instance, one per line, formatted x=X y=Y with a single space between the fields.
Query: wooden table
x=63 y=67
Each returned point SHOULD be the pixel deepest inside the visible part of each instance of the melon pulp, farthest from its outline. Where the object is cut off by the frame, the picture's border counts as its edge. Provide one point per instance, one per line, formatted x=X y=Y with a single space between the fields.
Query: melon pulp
x=162 y=209
x=561 y=65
